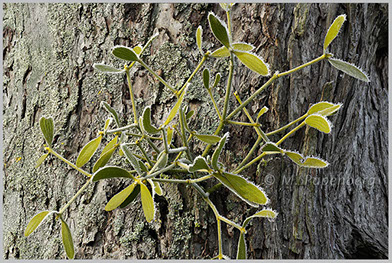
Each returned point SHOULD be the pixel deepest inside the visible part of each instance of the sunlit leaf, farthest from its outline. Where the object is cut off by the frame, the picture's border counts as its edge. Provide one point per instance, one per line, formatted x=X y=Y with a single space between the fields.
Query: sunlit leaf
x=217 y=152
x=41 y=160
x=174 y=110
x=240 y=46
x=125 y=53
x=107 y=69
x=253 y=62
x=47 y=128
x=267 y=213
x=170 y=132
x=147 y=121
x=131 y=158
x=88 y=151
x=156 y=186
x=219 y=29
x=147 y=203
x=221 y=52
x=261 y=112
x=110 y=145
x=295 y=157
x=199 y=165
x=199 y=38
x=324 y=108
x=318 y=122
x=333 y=30
x=210 y=139
x=138 y=49
x=107 y=124
x=241 y=250
x=67 y=240
x=119 y=198
x=103 y=159
x=35 y=222
x=349 y=69
x=111 y=172
x=313 y=162
x=217 y=79
x=111 y=111
x=206 y=78
x=271 y=147
x=131 y=197
x=246 y=190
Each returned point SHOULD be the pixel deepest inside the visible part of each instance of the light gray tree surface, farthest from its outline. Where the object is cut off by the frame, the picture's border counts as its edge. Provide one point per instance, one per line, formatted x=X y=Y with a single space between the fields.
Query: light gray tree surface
x=338 y=212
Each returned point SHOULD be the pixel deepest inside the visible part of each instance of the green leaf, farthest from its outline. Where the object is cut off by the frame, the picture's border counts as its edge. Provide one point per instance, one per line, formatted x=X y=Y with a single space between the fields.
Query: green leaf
x=313 y=162
x=243 y=46
x=217 y=79
x=103 y=159
x=47 y=128
x=35 y=222
x=119 y=198
x=147 y=121
x=156 y=186
x=143 y=167
x=110 y=145
x=318 y=122
x=111 y=111
x=271 y=147
x=131 y=197
x=295 y=157
x=225 y=6
x=67 y=240
x=111 y=172
x=162 y=160
x=147 y=203
x=349 y=69
x=125 y=53
x=41 y=160
x=253 y=62
x=206 y=78
x=217 y=152
x=189 y=114
x=221 y=52
x=170 y=132
x=199 y=38
x=199 y=165
x=241 y=251
x=261 y=112
x=247 y=191
x=88 y=151
x=333 y=30
x=107 y=124
x=174 y=110
x=131 y=158
x=324 y=108
x=219 y=29
x=138 y=49
x=106 y=68
x=268 y=213
x=210 y=139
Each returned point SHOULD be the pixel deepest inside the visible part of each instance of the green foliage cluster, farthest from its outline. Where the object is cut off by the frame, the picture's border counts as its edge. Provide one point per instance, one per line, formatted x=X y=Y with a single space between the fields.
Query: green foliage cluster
x=154 y=158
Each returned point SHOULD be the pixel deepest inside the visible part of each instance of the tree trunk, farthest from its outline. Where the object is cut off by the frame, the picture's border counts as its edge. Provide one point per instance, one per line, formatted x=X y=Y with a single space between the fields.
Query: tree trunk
x=337 y=212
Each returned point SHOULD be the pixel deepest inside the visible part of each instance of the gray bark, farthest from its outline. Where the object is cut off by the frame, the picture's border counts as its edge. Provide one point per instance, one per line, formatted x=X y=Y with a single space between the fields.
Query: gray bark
x=337 y=212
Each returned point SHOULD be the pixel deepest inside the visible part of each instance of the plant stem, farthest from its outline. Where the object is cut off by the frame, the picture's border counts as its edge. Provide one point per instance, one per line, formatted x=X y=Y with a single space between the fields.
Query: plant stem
x=131 y=94
x=243 y=123
x=291 y=132
x=186 y=181
x=145 y=154
x=303 y=65
x=75 y=196
x=69 y=163
x=158 y=172
x=145 y=136
x=165 y=141
x=252 y=97
x=259 y=131
x=214 y=102
x=157 y=76
x=193 y=73
x=134 y=125
x=288 y=125
x=183 y=135
x=259 y=139
x=228 y=221
x=250 y=163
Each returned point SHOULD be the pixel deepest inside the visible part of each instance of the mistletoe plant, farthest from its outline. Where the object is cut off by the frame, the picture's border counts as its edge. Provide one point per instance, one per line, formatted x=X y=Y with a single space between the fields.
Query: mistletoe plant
x=150 y=156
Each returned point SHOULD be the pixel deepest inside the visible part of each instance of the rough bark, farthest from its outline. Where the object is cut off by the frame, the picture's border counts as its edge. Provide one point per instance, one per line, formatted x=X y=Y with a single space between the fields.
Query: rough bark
x=338 y=212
